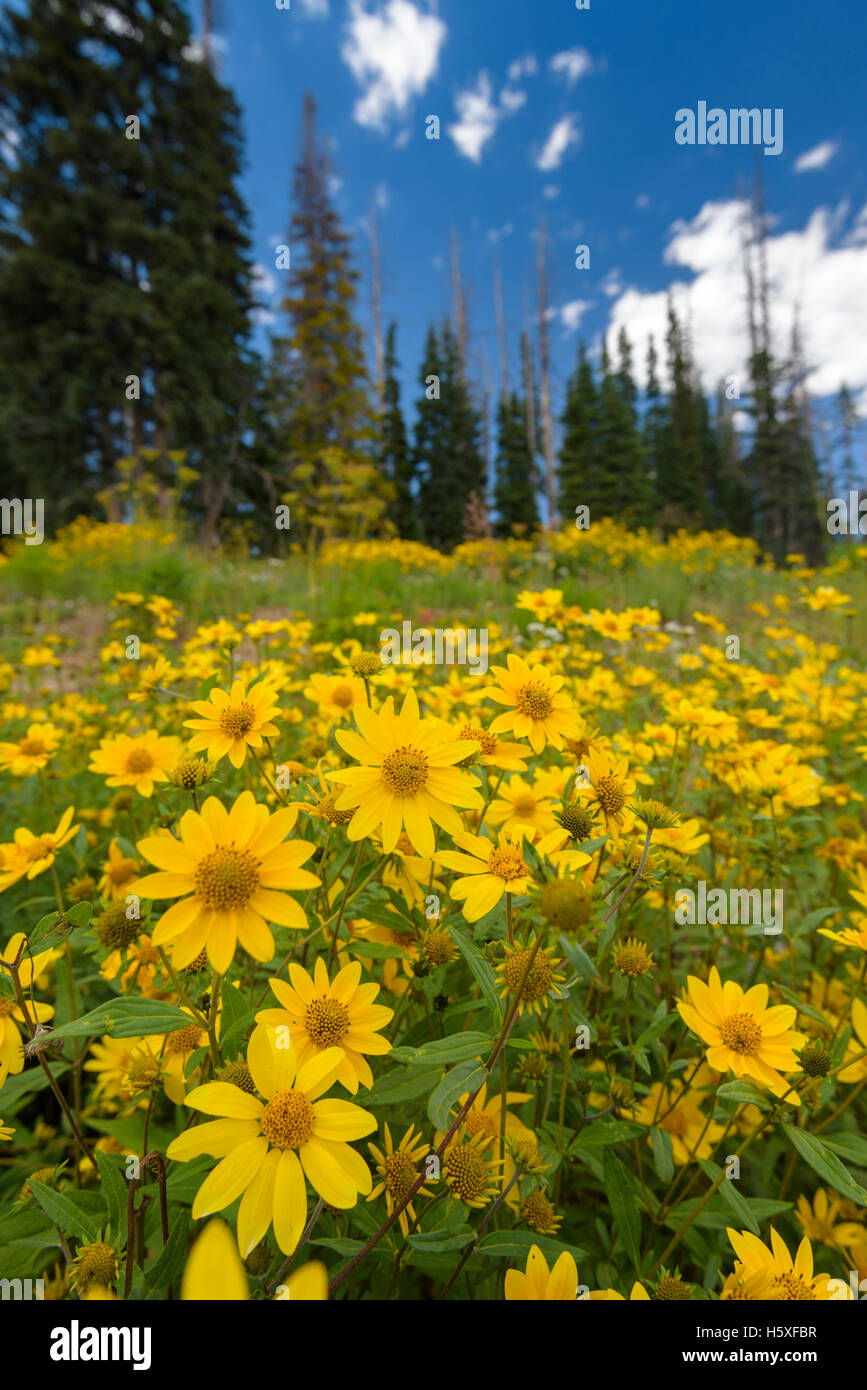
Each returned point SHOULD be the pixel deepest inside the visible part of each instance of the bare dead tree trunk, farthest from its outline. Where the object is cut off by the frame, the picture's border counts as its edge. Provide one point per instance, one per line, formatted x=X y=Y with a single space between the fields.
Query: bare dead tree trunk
x=501 y=328
x=545 y=382
x=376 y=305
x=460 y=304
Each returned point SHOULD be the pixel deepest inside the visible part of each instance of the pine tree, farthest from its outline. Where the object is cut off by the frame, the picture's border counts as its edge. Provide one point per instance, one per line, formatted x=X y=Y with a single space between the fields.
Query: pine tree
x=125 y=285
x=514 y=486
x=654 y=420
x=577 y=465
x=681 y=472
x=630 y=464
x=320 y=385
x=396 y=459
x=447 y=443
x=734 y=503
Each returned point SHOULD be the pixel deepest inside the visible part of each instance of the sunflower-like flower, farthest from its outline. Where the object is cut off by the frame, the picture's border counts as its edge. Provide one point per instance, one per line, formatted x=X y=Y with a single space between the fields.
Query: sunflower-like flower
x=96 y=1263
x=118 y=872
x=32 y=751
x=29 y=854
x=214 y=1273
x=742 y=1033
x=180 y=1045
x=539 y=1284
x=608 y=786
x=233 y=873
x=489 y=870
x=269 y=1142
x=230 y=724
x=770 y=1274
x=11 y=1013
x=138 y=761
x=536 y=710
x=820 y=1220
x=340 y=1014
x=679 y=1114
x=493 y=751
x=335 y=696
x=540 y=981
x=407 y=777
x=6 y=1131
x=398 y=1171
x=473 y=1176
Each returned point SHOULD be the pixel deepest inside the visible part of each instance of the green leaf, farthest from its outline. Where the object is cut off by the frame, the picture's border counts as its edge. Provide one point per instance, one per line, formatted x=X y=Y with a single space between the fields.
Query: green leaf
x=578 y=958
x=624 y=1208
x=125 y=1018
x=516 y=1244
x=663 y=1159
x=377 y=950
x=812 y=920
x=449 y=1238
x=481 y=970
x=17 y=1090
x=170 y=1264
x=798 y=1003
x=745 y=1093
x=656 y=1030
x=114 y=1189
x=467 y=1076
x=851 y=1146
x=64 y=1214
x=458 y=1047
x=826 y=1163
x=397 y=1086
x=730 y=1194
x=605 y=1132
x=47 y=926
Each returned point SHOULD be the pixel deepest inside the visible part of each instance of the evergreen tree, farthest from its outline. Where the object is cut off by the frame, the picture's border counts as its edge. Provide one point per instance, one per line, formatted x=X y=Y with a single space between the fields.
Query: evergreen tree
x=681 y=481
x=732 y=493
x=654 y=420
x=320 y=386
x=396 y=459
x=577 y=464
x=125 y=285
x=514 y=486
x=448 y=444
x=629 y=458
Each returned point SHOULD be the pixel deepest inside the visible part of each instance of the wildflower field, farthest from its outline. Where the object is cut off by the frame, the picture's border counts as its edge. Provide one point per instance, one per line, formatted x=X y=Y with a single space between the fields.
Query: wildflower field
x=539 y=976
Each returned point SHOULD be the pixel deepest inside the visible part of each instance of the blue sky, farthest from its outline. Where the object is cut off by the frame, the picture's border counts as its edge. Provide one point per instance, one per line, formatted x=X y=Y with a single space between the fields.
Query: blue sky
x=548 y=111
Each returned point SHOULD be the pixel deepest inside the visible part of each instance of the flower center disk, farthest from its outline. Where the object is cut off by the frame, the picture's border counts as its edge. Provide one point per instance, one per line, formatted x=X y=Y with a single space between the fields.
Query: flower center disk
x=534 y=700
x=741 y=1033
x=287 y=1120
x=405 y=771
x=326 y=1021
x=228 y=878
x=238 y=720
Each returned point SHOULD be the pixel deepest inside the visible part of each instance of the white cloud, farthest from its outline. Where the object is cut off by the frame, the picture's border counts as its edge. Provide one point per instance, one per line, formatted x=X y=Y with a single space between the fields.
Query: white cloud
x=500 y=233
x=393 y=53
x=551 y=190
x=817 y=157
x=316 y=9
x=562 y=135
x=523 y=67
x=612 y=285
x=821 y=271
x=642 y=201
x=195 y=50
x=572 y=313
x=512 y=99
x=480 y=115
x=572 y=64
